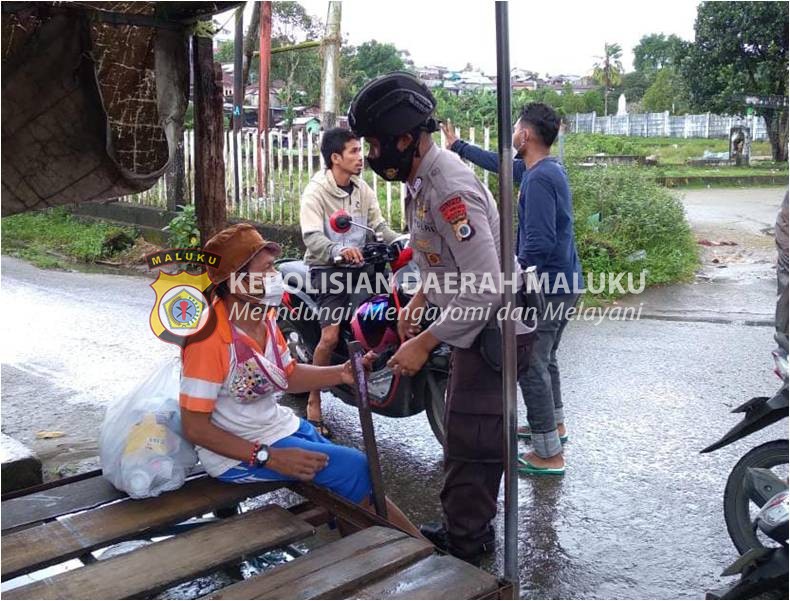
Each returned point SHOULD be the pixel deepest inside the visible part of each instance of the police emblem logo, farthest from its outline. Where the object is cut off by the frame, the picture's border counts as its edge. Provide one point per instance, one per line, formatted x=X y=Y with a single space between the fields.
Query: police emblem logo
x=434 y=260
x=181 y=309
x=184 y=309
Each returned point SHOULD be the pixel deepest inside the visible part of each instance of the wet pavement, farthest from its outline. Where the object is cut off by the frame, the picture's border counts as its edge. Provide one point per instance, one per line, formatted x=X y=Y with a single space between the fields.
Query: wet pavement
x=638 y=514
x=737 y=279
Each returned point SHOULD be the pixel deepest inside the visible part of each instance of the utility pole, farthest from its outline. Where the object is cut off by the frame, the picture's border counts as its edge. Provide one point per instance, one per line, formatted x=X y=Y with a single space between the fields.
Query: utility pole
x=509 y=364
x=329 y=99
x=238 y=98
x=265 y=47
x=209 y=128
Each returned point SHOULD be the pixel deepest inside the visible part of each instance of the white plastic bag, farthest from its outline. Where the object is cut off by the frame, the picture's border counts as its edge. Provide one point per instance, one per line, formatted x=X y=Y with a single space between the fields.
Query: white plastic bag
x=142 y=449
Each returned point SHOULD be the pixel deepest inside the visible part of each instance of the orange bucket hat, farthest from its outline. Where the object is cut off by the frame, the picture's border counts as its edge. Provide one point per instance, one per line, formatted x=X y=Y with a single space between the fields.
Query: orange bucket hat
x=236 y=246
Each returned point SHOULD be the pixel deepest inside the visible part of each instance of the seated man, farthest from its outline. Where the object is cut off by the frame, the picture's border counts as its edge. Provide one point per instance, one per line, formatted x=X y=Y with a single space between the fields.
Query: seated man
x=339 y=187
x=233 y=378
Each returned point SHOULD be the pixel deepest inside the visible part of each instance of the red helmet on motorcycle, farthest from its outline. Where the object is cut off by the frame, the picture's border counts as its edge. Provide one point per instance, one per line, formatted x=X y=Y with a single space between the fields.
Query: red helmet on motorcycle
x=373 y=325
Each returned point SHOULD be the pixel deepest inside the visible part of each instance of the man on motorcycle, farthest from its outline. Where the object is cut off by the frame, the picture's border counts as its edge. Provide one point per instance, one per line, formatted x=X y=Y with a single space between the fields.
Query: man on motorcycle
x=338 y=188
x=454 y=226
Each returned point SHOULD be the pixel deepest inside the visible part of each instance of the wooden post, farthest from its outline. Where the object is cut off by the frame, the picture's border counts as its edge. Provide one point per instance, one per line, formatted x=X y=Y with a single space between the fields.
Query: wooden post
x=263 y=97
x=175 y=176
x=238 y=102
x=329 y=98
x=209 y=165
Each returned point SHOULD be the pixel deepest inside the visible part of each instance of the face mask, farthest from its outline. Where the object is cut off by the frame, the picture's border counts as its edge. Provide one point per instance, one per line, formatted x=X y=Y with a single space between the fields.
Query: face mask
x=273 y=290
x=393 y=164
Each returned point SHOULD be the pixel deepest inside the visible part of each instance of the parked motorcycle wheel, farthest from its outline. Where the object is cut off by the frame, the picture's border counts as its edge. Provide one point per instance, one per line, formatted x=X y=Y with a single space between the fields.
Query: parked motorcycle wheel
x=435 y=404
x=298 y=348
x=737 y=504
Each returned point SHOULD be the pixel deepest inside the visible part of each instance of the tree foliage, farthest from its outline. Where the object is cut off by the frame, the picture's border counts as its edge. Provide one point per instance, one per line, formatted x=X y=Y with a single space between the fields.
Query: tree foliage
x=299 y=70
x=656 y=51
x=740 y=49
x=359 y=64
x=667 y=93
x=608 y=70
x=633 y=85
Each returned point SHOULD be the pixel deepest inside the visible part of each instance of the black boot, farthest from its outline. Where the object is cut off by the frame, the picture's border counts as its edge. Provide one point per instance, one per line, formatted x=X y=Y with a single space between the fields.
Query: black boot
x=471 y=553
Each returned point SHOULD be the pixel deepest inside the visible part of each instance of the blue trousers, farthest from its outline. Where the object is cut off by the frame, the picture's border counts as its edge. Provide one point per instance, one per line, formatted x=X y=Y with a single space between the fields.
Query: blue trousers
x=346 y=473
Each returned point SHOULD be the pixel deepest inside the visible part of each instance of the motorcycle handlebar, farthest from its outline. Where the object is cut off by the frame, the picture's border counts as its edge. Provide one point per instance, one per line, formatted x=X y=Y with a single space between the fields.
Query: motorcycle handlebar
x=373 y=253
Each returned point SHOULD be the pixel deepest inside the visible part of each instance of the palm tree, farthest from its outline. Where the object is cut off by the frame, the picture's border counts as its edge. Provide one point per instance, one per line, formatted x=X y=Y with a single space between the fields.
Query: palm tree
x=608 y=71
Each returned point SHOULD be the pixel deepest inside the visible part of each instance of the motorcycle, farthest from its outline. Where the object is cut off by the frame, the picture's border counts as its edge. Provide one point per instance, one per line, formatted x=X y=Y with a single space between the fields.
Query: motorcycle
x=756 y=499
x=391 y=395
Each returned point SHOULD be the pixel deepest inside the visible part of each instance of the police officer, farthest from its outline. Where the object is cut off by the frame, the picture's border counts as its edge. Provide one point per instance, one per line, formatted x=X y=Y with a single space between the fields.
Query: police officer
x=454 y=227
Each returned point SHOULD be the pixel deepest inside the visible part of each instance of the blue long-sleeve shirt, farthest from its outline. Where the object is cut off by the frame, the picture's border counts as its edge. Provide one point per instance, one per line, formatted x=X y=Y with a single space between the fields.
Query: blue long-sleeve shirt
x=545 y=236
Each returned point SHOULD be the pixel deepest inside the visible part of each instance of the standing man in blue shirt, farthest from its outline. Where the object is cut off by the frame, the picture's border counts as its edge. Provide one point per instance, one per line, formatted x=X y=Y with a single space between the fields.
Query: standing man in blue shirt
x=545 y=239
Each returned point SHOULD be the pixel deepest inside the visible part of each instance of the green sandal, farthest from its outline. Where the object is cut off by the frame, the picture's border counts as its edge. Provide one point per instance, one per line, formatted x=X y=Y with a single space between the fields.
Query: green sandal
x=524 y=434
x=525 y=467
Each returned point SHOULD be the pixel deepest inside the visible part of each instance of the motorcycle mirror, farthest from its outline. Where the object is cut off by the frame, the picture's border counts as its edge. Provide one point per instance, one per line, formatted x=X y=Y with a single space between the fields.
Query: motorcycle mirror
x=340 y=222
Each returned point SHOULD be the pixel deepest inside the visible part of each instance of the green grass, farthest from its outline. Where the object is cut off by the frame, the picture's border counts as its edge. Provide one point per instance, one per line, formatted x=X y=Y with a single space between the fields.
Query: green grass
x=675 y=151
x=51 y=238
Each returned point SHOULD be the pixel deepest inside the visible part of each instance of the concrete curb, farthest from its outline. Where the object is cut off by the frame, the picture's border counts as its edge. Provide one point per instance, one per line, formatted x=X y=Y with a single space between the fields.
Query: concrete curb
x=21 y=467
x=715 y=180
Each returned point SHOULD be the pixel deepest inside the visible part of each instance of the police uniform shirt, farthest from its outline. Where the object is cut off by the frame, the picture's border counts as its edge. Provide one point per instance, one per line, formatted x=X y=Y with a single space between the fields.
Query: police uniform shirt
x=454 y=227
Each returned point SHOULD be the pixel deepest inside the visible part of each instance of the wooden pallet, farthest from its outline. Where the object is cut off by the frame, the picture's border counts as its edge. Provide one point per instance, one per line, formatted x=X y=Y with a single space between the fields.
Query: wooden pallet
x=55 y=523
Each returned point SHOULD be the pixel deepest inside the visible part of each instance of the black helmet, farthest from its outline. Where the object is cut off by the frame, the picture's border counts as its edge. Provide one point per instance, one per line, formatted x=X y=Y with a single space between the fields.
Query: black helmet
x=391 y=105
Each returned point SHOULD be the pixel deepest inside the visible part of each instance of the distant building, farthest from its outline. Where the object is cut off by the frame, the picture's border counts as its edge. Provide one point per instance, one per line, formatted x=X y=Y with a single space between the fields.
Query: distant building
x=311 y=125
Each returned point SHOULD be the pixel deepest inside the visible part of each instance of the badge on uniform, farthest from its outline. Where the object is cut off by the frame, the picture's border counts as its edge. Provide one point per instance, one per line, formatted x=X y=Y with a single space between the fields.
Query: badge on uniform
x=454 y=212
x=421 y=210
x=433 y=259
x=423 y=245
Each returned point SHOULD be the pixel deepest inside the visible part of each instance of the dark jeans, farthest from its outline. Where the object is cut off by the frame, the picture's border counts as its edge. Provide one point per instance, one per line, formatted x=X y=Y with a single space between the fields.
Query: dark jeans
x=540 y=384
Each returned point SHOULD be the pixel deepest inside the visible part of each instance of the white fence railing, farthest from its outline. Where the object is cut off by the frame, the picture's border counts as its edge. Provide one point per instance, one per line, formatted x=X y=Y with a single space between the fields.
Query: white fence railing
x=653 y=125
x=292 y=157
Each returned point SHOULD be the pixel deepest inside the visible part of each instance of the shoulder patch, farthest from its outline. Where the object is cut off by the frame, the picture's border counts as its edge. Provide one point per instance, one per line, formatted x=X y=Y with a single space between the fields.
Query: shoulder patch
x=454 y=212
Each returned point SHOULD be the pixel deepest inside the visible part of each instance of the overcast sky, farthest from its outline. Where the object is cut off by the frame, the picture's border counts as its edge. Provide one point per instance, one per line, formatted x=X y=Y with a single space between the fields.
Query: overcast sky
x=555 y=36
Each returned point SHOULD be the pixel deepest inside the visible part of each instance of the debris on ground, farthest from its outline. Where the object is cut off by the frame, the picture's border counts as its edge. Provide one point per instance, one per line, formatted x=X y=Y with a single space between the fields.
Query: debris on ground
x=716 y=243
x=48 y=434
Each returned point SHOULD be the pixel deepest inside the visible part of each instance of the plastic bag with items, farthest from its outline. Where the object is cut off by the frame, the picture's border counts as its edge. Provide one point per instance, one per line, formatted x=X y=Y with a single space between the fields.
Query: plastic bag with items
x=143 y=451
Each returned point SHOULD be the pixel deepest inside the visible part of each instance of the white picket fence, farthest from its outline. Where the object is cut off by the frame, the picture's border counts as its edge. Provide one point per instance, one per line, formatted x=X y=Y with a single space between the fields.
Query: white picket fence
x=652 y=125
x=292 y=159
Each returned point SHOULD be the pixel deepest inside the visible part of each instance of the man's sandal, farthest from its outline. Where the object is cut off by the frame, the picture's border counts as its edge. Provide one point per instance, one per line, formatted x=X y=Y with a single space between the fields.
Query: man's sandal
x=525 y=467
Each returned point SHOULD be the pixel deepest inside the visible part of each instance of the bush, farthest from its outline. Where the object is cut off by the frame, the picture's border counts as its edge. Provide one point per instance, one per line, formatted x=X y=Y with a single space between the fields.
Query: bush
x=182 y=230
x=34 y=234
x=625 y=222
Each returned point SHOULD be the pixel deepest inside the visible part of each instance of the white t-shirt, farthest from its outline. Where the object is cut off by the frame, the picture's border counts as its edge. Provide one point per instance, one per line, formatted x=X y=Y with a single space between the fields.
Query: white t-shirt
x=242 y=397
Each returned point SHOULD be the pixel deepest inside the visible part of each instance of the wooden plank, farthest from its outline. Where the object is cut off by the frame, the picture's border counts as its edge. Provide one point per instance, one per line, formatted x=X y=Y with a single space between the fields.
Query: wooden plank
x=47 y=485
x=437 y=577
x=353 y=514
x=60 y=500
x=151 y=569
x=334 y=569
x=74 y=535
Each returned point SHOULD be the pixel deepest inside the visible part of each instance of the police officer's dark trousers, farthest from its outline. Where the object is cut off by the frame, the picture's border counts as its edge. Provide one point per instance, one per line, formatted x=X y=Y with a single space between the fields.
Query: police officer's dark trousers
x=473 y=450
